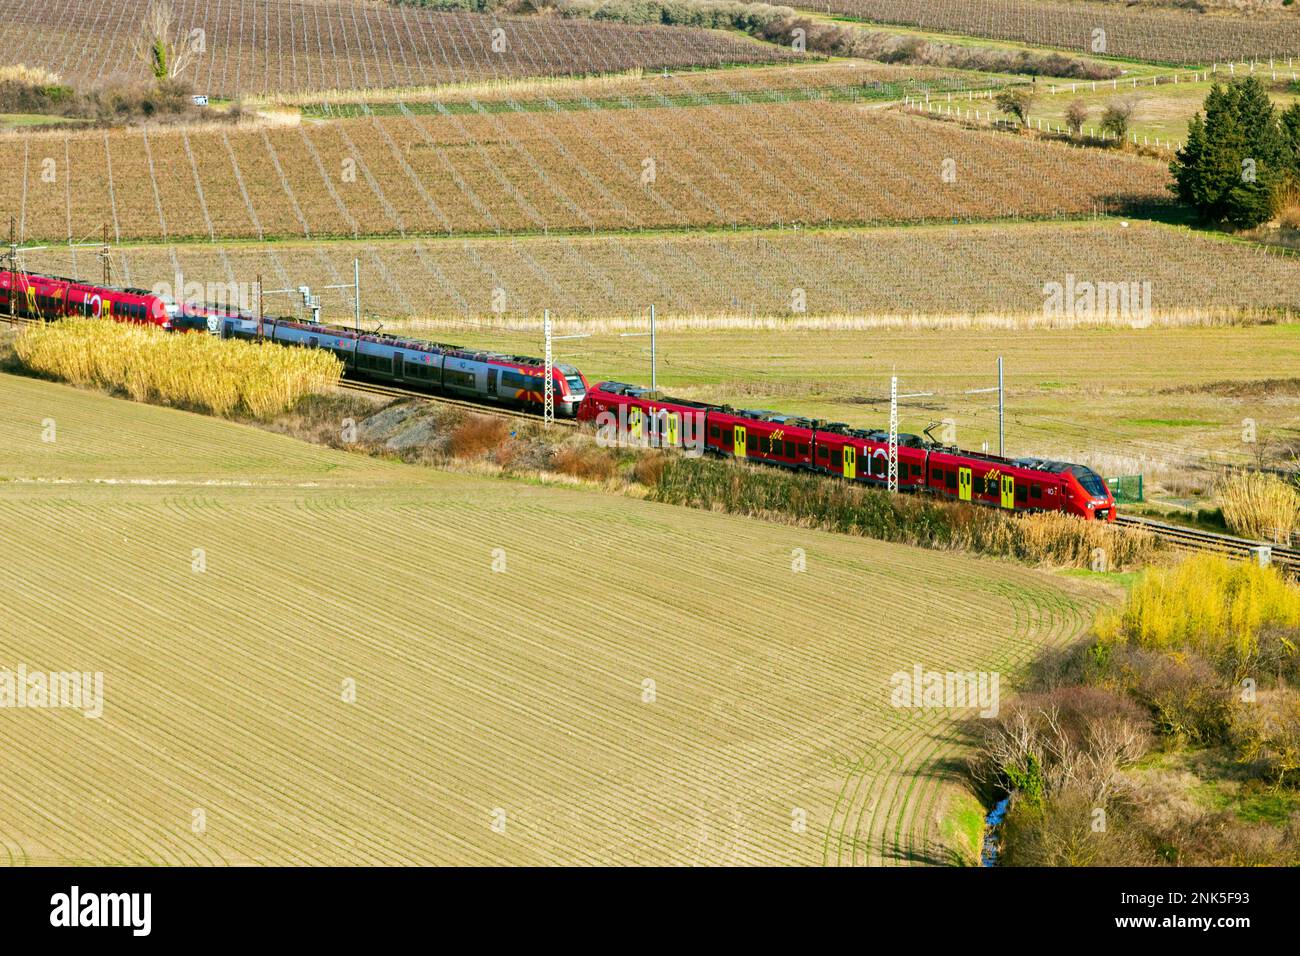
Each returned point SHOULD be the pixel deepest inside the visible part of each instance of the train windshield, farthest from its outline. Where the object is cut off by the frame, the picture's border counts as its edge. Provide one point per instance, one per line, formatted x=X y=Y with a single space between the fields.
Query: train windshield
x=1090 y=480
x=575 y=384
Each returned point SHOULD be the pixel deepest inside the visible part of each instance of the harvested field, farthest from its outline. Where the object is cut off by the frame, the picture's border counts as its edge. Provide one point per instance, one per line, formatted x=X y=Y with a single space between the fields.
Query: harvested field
x=941 y=276
x=1165 y=36
x=742 y=164
x=272 y=46
x=479 y=697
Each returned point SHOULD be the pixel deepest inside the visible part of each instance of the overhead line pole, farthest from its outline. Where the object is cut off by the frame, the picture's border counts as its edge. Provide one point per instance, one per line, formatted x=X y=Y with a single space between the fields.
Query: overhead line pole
x=1002 y=434
x=893 y=428
x=12 y=256
x=893 y=433
x=654 y=362
x=1002 y=453
x=548 y=403
x=654 y=370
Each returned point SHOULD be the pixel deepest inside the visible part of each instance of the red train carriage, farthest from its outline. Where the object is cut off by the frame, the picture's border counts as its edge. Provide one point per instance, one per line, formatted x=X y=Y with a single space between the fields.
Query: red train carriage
x=860 y=455
x=990 y=480
x=1022 y=484
x=642 y=417
x=54 y=297
x=762 y=436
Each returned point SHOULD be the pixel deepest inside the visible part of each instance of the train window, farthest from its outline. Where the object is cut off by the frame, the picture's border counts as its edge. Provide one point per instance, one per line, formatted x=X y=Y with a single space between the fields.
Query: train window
x=822 y=452
x=751 y=441
x=917 y=471
x=713 y=431
x=726 y=437
x=791 y=450
x=803 y=451
x=764 y=445
x=950 y=479
x=1035 y=491
x=936 y=474
x=1022 y=494
x=457 y=378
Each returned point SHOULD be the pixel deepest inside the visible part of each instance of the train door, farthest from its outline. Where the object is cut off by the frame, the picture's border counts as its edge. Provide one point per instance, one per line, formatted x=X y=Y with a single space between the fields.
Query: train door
x=492 y=383
x=398 y=358
x=963 y=484
x=634 y=422
x=1008 y=491
x=850 y=462
x=740 y=437
x=670 y=427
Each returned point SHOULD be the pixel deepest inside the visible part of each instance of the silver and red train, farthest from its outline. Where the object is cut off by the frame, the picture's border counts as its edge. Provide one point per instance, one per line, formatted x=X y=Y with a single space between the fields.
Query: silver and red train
x=833 y=448
x=790 y=441
x=488 y=377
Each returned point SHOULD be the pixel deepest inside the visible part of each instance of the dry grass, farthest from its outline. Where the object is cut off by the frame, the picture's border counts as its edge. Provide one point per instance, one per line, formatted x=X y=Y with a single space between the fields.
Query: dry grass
x=193 y=371
x=586 y=461
x=1261 y=506
x=478 y=435
x=29 y=75
x=810 y=501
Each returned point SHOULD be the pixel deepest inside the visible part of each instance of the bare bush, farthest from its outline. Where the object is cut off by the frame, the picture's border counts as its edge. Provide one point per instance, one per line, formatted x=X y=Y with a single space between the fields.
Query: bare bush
x=478 y=435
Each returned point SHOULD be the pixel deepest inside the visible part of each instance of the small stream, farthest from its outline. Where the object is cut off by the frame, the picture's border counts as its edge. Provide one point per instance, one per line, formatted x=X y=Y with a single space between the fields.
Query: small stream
x=989 y=852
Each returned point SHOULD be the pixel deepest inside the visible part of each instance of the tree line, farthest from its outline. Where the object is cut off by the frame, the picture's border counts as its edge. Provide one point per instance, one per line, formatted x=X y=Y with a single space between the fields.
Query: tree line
x=1241 y=161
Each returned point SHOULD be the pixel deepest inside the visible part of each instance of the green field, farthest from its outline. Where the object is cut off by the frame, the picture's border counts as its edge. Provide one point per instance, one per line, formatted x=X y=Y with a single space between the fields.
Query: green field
x=476 y=692
x=1162 y=111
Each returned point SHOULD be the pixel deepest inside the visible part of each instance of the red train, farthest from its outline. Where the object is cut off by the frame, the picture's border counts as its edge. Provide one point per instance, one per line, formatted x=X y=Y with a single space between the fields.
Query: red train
x=54 y=297
x=833 y=448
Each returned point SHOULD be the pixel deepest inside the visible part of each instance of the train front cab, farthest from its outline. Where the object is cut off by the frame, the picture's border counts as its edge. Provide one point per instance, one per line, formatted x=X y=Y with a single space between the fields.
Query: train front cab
x=1086 y=494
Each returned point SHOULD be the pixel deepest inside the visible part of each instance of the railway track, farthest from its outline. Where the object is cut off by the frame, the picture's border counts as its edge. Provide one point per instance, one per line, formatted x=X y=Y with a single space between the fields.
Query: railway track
x=396 y=391
x=1192 y=539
